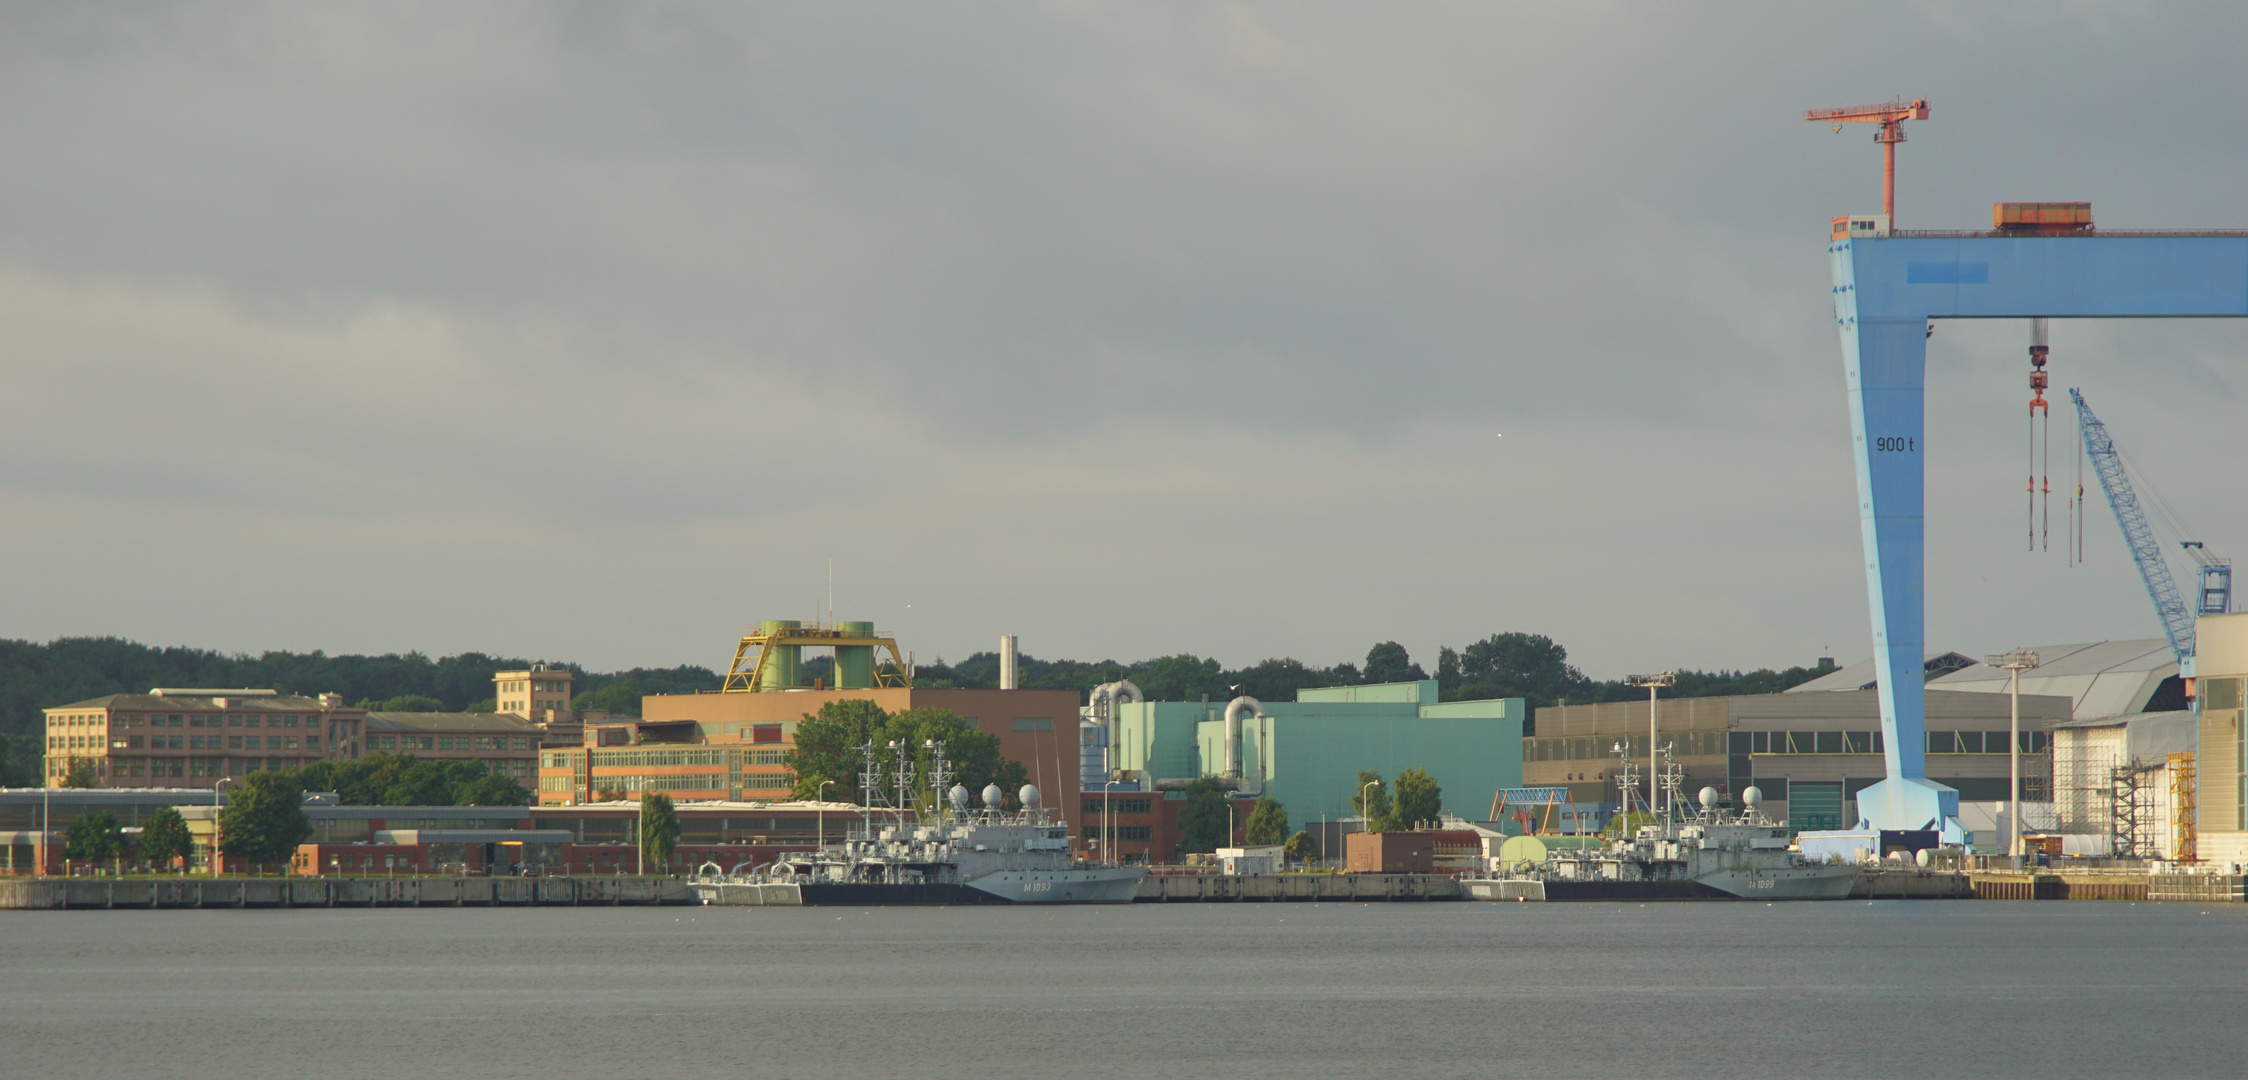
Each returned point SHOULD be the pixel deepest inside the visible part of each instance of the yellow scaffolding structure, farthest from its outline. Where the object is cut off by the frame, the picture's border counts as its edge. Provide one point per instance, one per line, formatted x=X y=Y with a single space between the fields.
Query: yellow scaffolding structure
x=2184 y=840
x=774 y=653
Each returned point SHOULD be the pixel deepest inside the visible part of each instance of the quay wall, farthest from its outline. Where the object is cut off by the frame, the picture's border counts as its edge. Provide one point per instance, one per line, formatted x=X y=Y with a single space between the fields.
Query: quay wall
x=51 y=894
x=1263 y=888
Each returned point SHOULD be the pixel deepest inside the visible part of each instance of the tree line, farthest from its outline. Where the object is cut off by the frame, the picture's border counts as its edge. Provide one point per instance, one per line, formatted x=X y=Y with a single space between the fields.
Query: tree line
x=1529 y=666
x=35 y=676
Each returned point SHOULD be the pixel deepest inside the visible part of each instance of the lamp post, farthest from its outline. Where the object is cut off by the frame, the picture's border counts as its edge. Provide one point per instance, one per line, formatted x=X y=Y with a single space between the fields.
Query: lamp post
x=1652 y=683
x=45 y=822
x=820 y=796
x=1108 y=822
x=2015 y=663
x=217 y=859
x=1365 y=808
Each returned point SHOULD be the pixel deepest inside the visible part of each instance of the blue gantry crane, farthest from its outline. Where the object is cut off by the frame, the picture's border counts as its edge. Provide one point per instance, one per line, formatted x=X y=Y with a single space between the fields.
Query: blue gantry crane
x=2138 y=535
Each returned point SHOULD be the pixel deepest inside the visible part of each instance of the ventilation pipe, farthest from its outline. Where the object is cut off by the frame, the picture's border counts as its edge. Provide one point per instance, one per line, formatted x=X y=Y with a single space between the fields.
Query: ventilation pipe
x=1107 y=696
x=1233 y=711
x=1006 y=661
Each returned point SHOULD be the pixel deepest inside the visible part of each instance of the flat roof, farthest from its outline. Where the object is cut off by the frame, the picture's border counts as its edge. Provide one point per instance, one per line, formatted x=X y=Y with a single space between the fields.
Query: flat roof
x=507 y=723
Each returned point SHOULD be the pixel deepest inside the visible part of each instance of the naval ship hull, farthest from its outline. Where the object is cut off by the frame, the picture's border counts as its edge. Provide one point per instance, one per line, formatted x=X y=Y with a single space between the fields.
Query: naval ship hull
x=1788 y=883
x=1104 y=885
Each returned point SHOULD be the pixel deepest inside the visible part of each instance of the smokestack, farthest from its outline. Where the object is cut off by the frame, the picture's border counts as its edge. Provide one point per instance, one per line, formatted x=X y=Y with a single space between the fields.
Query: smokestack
x=1006 y=661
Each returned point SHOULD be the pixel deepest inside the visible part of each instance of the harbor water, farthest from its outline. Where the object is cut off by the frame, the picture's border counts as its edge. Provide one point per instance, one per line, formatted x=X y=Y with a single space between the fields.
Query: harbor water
x=1842 y=989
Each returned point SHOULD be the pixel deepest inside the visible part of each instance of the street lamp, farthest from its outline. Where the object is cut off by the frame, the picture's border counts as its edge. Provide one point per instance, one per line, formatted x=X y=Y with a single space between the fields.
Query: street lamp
x=1365 y=808
x=1108 y=822
x=1652 y=683
x=2015 y=663
x=217 y=859
x=820 y=797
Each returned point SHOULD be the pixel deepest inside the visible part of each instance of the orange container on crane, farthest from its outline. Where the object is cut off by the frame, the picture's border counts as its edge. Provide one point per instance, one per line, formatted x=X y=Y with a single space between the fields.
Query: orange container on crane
x=1891 y=117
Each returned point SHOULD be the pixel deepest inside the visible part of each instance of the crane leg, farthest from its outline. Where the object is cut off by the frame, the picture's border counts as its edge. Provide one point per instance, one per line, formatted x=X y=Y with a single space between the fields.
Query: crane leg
x=1885 y=364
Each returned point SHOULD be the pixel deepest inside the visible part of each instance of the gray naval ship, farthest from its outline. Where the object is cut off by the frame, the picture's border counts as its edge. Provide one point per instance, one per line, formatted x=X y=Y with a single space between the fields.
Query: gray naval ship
x=1711 y=855
x=986 y=856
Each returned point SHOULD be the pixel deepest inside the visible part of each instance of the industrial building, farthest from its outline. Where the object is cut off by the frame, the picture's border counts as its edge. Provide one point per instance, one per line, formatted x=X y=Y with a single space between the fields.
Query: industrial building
x=169 y=738
x=2221 y=785
x=729 y=744
x=1810 y=754
x=1307 y=754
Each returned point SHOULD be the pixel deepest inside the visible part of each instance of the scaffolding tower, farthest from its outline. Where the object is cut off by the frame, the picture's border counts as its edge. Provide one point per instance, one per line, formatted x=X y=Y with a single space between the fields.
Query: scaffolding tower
x=2135 y=822
x=2184 y=841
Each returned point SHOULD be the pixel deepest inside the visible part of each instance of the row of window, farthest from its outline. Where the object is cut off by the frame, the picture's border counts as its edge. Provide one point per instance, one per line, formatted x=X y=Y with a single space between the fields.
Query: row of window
x=1697 y=744
x=165 y=767
x=541 y=686
x=1123 y=832
x=1121 y=806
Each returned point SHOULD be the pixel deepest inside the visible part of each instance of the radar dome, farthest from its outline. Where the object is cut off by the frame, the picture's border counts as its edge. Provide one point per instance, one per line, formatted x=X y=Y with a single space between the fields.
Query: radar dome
x=1029 y=796
x=993 y=796
x=1750 y=796
x=1709 y=798
x=959 y=796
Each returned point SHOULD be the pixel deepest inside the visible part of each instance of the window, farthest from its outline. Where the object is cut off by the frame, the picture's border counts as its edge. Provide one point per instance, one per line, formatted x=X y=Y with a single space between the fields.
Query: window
x=1034 y=723
x=523 y=744
x=249 y=721
x=312 y=742
x=1123 y=832
x=1120 y=806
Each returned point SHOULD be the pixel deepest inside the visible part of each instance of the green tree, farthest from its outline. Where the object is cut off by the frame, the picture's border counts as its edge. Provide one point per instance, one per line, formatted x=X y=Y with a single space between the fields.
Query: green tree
x=1372 y=803
x=1268 y=822
x=827 y=748
x=1419 y=799
x=403 y=703
x=164 y=838
x=21 y=760
x=81 y=774
x=617 y=697
x=659 y=830
x=264 y=817
x=1202 y=821
x=490 y=704
x=93 y=837
x=1301 y=847
x=1388 y=662
x=491 y=790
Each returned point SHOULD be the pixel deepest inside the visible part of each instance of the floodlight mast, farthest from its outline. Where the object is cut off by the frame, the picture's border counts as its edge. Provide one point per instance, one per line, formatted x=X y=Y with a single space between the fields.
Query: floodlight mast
x=1653 y=683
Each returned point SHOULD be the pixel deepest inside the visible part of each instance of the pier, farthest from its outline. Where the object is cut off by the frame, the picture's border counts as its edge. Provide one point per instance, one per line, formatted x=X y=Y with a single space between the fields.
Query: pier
x=53 y=894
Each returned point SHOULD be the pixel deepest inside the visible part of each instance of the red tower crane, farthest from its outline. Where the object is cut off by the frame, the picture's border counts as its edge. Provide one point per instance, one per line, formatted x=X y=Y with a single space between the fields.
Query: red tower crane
x=1891 y=117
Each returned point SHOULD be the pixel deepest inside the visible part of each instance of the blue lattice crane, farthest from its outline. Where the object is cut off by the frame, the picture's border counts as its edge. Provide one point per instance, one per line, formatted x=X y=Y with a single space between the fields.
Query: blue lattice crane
x=2138 y=535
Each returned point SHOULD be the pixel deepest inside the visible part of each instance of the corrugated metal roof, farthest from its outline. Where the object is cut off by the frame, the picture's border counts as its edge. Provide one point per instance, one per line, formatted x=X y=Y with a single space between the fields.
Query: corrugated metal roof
x=1860 y=676
x=2102 y=678
x=154 y=703
x=450 y=721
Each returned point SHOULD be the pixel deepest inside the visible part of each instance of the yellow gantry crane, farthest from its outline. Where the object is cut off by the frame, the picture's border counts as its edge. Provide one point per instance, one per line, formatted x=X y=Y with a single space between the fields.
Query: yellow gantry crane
x=772 y=658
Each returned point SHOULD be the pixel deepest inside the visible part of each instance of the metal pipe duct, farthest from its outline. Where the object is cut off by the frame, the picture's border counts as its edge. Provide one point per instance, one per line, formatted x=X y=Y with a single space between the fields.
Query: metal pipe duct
x=1233 y=712
x=1006 y=661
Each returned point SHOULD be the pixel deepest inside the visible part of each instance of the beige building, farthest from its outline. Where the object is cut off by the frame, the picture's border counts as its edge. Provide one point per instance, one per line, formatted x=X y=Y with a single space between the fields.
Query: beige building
x=508 y=745
x=2221 y=664
x=539 y=693
x=196 y=738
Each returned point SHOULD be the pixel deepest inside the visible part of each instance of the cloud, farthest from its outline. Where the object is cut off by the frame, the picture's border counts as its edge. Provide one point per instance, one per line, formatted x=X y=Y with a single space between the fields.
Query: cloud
x=1127 y=327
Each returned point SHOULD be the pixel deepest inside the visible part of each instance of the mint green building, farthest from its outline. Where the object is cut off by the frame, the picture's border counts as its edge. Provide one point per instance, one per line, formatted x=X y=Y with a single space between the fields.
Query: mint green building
x=1307 y=753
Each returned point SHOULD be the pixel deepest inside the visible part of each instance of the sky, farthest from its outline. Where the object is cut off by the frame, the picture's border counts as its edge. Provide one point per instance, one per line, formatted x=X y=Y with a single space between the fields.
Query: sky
x=598 y=332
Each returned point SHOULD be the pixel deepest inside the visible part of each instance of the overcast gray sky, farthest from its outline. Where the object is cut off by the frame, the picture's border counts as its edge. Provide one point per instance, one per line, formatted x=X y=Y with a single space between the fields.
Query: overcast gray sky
x=594 y=331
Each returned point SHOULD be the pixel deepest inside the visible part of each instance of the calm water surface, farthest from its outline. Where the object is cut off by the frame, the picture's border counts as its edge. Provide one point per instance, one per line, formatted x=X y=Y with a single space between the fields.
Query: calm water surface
x=1720 y=991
